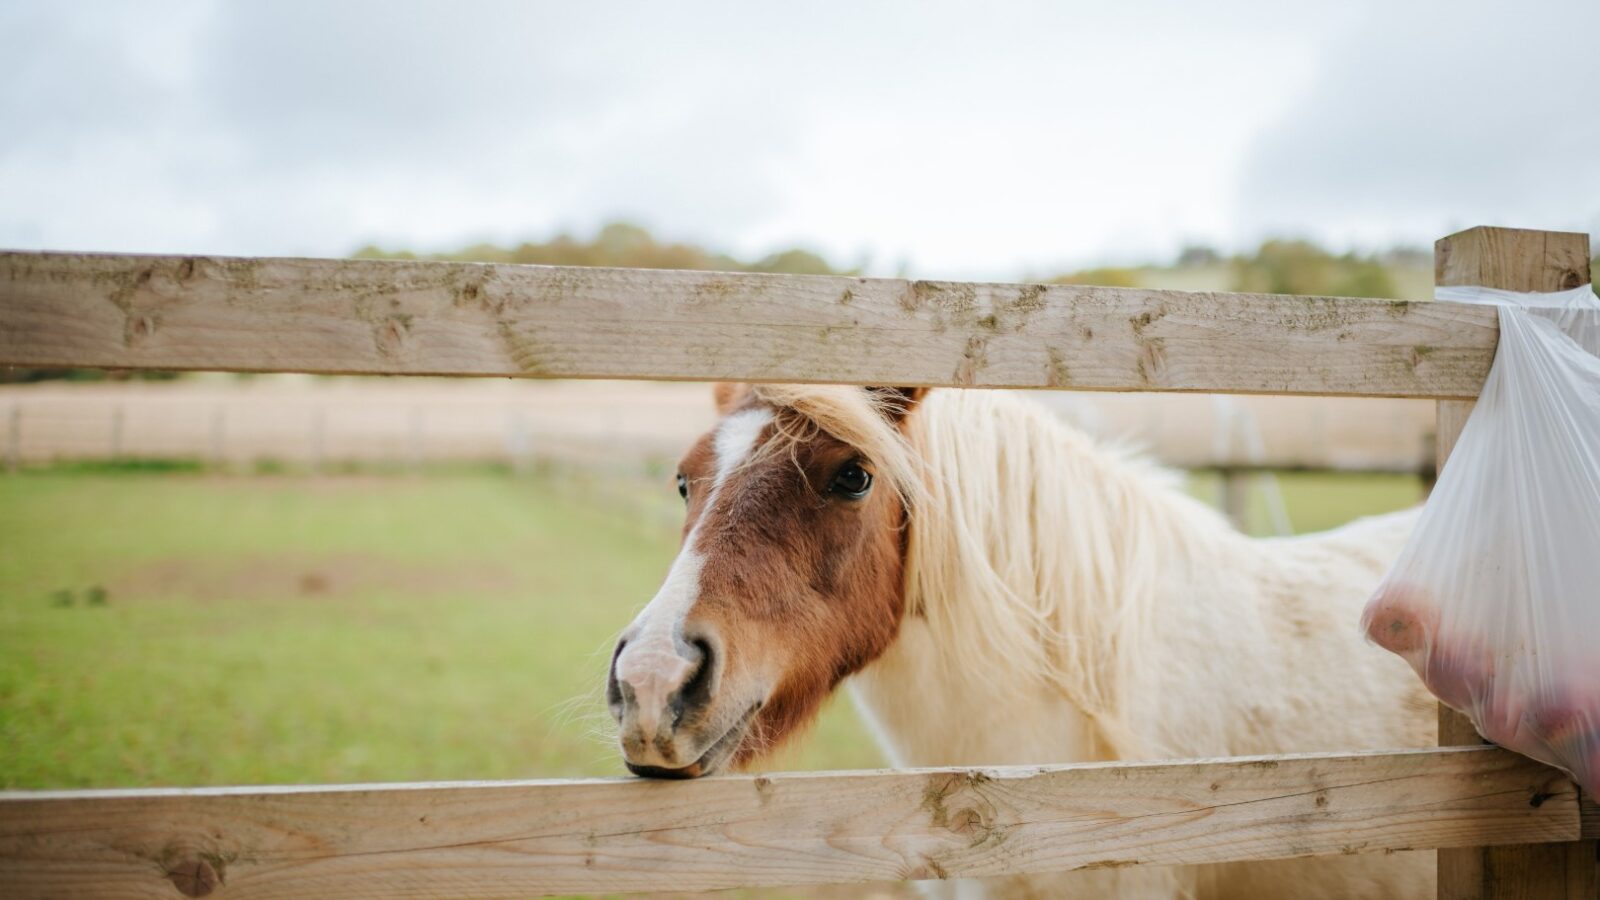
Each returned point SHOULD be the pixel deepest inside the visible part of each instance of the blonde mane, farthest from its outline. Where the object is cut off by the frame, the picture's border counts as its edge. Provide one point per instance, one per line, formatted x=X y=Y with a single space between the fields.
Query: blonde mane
x=1028 y=541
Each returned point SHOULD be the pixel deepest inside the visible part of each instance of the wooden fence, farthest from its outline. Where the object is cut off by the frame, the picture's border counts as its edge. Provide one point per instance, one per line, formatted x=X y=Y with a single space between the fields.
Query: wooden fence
x=227 y=421
x=1505 y=826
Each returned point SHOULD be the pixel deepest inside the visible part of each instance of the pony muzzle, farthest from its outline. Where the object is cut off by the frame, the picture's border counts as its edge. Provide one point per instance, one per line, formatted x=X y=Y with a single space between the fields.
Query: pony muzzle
x=661 y=693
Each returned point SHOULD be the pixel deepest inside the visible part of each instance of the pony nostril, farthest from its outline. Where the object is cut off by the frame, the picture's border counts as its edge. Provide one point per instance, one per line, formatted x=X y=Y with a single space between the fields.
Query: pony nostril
x=613 y=689
x=696 y=691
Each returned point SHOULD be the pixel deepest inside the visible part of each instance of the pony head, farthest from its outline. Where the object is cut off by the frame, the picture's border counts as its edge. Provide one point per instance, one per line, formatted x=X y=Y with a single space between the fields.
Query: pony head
x=789 y=578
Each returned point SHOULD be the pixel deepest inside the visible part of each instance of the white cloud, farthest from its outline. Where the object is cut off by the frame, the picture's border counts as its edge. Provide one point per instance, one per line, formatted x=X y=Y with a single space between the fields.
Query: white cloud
x=1032 y=136
x=1434 y=116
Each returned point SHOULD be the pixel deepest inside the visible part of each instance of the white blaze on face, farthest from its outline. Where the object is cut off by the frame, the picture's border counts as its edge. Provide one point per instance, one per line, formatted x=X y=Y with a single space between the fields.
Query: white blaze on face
x=650 y=664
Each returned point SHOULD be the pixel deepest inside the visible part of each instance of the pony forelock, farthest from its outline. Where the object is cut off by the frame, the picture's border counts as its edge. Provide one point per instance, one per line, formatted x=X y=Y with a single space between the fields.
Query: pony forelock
x=862 y=418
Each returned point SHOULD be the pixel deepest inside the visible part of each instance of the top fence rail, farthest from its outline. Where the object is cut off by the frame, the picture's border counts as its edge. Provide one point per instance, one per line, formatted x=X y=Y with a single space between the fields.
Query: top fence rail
x=443 y=318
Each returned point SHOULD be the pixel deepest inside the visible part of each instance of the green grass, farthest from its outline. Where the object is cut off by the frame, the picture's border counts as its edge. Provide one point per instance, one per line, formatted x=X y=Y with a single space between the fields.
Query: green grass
x=1320 y=500
x=279 y=630
x=184 y=629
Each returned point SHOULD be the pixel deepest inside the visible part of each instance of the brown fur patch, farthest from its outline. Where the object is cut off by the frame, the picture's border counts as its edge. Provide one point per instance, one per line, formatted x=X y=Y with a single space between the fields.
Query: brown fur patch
x=729 y=396
x=802 y=585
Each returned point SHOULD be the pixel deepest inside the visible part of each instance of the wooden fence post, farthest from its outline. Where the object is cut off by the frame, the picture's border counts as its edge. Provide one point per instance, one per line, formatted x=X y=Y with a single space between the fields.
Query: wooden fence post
x=1516 y=260
x=219 y=424
x=417 y=455
x=1235 y=487
x=117 y=416
x=319 y=428
x=14 y=438
x=518 y=442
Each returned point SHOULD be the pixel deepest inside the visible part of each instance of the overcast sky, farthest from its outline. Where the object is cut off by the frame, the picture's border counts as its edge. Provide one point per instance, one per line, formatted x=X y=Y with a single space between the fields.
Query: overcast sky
x=991 y=139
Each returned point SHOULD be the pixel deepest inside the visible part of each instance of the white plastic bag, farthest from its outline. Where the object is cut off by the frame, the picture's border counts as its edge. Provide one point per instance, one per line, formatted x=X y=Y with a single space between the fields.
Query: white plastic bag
x=1495 y=600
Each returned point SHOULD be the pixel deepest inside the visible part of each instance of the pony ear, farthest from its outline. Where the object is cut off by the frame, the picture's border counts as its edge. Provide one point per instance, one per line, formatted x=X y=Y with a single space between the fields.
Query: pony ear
x=729 y=396
x=898 y=402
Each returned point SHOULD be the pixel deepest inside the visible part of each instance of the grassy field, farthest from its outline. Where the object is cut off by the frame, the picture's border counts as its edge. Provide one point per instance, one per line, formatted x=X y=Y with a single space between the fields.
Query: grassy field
x=185 y=629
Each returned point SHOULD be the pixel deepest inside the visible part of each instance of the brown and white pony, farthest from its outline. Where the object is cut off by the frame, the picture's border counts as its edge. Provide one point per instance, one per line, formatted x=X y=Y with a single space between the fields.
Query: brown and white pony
x=997 y=588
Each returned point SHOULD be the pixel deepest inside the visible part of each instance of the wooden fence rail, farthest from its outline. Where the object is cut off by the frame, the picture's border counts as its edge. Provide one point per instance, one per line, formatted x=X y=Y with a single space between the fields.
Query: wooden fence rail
x=515 y=839
x=439 y=318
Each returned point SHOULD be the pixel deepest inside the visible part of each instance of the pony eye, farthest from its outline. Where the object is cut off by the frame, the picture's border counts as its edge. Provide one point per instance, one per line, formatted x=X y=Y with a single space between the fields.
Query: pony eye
x=852 y=481
x=683 y=486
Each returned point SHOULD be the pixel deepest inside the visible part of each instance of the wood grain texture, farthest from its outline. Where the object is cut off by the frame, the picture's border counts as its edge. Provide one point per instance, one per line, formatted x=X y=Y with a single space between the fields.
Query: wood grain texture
x=1451 y=418
x=519 y=839
x=439 y=318
x=1512 y=259
x=1516 y=260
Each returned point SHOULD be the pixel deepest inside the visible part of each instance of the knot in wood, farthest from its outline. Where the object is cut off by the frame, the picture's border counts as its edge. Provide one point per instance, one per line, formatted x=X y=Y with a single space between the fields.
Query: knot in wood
x=968 y=821
x=194 y=877
x=957 y=803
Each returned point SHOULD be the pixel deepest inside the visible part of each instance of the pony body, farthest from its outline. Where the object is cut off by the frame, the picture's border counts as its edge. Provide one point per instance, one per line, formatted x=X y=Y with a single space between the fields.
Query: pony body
x=1067 y=602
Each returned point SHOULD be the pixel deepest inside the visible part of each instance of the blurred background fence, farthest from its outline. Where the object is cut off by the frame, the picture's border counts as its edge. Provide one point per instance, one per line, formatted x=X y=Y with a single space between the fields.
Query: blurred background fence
x=634 y=430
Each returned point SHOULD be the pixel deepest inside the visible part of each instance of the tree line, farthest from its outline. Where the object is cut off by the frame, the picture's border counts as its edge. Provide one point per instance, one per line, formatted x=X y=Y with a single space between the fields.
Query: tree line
x=1276 y=266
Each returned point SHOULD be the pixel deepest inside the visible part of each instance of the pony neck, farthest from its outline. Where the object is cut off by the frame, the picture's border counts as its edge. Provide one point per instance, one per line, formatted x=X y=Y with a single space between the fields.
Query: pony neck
x=1036 y=558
